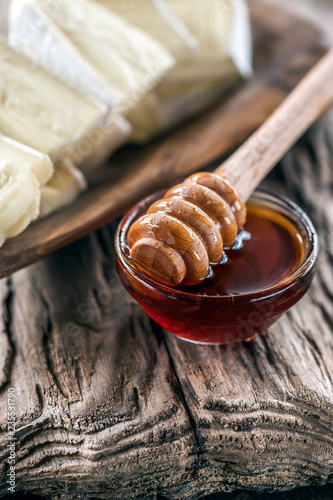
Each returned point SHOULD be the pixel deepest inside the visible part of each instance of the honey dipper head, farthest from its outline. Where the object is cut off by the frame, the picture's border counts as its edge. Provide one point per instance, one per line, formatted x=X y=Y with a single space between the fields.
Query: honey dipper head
x=184 y=233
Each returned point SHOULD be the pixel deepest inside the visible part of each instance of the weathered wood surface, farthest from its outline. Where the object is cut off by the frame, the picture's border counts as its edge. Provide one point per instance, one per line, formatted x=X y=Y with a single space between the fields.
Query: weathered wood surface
x=307 y=493
x=285 y=49
x=108 y=406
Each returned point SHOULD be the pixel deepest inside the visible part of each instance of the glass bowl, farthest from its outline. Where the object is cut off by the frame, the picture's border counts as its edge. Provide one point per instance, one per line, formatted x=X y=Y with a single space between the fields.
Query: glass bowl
x=219 y=319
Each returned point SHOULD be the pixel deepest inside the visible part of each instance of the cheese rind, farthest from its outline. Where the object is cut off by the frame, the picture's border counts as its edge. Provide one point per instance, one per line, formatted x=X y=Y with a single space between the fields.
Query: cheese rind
x=211 y=46
x=156 y=19
x=38 y=110
x=223 y=54
x=35 y=35
x=23 y=172
x=222 y=30
x=89 y=48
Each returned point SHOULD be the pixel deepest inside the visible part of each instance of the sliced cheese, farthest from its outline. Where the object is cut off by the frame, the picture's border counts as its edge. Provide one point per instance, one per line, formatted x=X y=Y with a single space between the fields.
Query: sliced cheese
x=40 y=111
x=62 y=189
x=224 y=36
x=23 y=172
x=224 y=54
x=94 y=148
x=90 y=48
x=221 y=29
x=156 y=18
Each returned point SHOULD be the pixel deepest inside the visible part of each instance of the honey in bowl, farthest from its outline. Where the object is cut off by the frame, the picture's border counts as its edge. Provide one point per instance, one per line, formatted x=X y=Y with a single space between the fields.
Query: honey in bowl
x=270 y=249
x=260 y=279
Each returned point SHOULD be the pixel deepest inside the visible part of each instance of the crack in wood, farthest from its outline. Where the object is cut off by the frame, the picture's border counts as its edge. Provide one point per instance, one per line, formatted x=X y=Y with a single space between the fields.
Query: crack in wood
x=40 y=397
x=182 y=394
x=46 y=343
x=7 y=314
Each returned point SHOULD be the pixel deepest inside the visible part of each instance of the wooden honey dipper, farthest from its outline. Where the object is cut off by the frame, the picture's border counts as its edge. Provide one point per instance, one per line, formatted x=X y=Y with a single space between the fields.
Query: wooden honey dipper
x=184 y=233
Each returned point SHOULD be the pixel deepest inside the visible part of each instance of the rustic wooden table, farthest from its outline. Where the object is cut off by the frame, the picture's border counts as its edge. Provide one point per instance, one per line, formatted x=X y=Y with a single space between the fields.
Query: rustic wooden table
x=109 y=406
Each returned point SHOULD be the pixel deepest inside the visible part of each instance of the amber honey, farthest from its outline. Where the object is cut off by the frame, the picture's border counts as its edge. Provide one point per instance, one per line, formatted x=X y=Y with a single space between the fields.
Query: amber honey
x=245 y=295
x=272 y=249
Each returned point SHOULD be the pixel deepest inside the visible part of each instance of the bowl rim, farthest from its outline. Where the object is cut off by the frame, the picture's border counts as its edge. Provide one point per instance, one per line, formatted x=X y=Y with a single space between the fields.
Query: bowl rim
x=307 y=266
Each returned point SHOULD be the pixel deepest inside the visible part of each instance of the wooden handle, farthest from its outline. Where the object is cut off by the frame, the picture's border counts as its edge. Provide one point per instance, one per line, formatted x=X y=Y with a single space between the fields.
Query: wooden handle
x=181 y=235
x=248 y=166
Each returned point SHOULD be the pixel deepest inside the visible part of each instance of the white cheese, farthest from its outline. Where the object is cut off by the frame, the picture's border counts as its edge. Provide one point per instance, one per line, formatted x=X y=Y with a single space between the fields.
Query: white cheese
x=156 y=18
x=23 y=172
x=224 y=54
x=40 y=111
x=89 y=48
x=63 y=188
x=222 y=32
x=96 y=146
x=224 y=36
x=211 y=46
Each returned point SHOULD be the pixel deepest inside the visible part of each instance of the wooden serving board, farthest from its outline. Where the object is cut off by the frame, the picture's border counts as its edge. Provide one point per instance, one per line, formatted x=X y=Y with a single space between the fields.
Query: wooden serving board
x=285 y=49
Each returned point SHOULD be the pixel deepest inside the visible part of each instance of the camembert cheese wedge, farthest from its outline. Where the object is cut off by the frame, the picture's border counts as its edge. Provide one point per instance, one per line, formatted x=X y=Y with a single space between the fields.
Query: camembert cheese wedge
x=39 y=110
x=156 y=18
x=221 y=29
x=224 y=54
x=89 y=48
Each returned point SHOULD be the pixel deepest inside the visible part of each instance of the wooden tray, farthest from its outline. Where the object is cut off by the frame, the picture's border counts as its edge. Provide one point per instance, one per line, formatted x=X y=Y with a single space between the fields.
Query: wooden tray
x=285 y=49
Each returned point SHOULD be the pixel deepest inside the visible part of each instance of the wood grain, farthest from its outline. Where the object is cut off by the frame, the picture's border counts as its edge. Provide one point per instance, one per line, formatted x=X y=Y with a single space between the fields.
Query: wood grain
x=110 y=407
x=285 y=50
